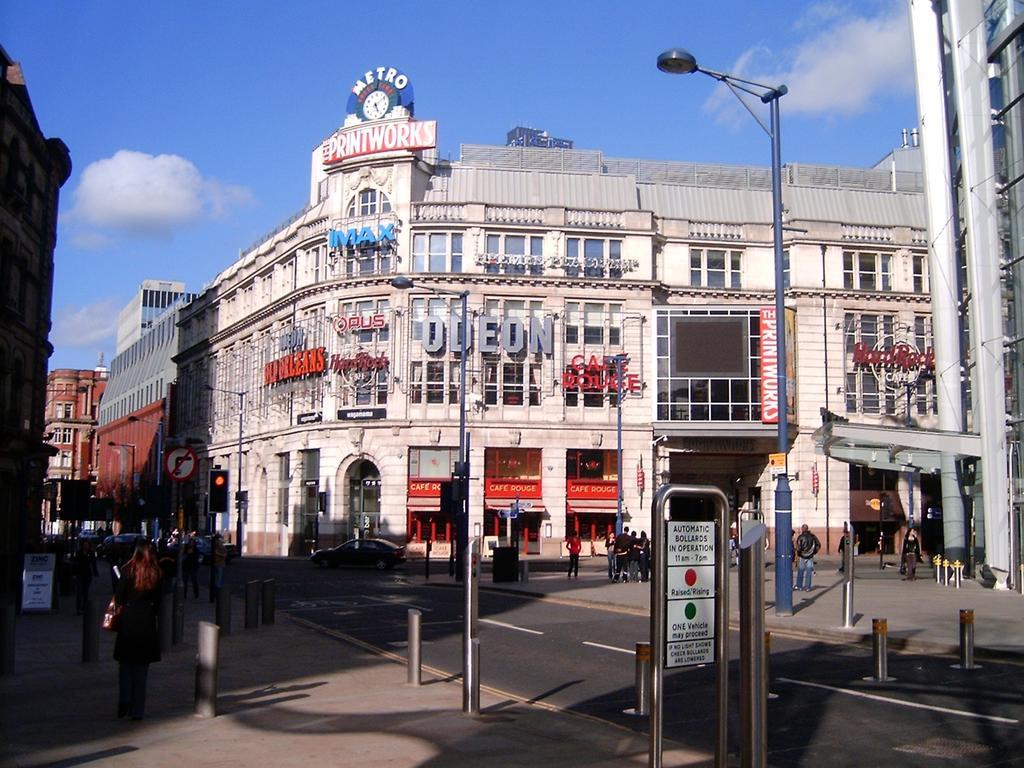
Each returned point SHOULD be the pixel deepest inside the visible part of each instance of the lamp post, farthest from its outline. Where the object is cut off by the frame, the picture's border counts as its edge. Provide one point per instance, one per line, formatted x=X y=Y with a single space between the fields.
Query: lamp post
x=679 y=61
x=131 y=446
x=469 y=673
x=239 y=531
x=159 y=467
x=619 y=361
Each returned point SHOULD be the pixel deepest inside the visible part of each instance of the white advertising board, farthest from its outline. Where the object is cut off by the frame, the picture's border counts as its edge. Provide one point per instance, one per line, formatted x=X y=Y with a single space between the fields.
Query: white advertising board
x=37 y=582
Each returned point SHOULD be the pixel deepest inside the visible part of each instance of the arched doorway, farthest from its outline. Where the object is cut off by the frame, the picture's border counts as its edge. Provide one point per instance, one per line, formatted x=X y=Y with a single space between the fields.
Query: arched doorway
x=363 y=518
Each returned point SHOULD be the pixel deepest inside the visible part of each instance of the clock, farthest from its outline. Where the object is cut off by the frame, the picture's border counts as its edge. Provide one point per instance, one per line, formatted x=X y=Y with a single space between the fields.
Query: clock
x=376 y=105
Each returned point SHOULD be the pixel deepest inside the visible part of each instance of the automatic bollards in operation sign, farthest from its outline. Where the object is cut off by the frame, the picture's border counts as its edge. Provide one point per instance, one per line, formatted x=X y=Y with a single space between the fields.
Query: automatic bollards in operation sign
x=689 y=603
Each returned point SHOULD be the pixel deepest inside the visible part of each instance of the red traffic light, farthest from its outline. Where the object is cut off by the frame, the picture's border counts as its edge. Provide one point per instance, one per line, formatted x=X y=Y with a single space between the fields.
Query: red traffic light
x=219 y=480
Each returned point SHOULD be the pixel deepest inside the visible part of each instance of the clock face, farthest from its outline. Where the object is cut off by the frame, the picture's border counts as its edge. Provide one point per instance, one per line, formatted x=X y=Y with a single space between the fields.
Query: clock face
x=376 y=105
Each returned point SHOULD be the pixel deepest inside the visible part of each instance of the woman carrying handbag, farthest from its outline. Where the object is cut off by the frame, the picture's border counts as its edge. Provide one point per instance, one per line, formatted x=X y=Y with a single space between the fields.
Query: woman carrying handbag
x=138 y=637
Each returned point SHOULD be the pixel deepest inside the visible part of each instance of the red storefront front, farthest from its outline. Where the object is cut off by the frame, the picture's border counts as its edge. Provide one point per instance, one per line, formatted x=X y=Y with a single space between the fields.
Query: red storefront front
x=512 y=476
x=591 y=493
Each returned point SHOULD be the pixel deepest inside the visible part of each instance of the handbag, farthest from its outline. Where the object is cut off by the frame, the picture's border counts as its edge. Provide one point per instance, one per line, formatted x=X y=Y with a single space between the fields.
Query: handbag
x=112 y=616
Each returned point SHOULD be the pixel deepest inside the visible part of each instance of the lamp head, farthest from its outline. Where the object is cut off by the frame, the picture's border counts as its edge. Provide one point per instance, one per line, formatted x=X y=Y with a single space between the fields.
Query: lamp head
x=677 y=61
x=401 y=282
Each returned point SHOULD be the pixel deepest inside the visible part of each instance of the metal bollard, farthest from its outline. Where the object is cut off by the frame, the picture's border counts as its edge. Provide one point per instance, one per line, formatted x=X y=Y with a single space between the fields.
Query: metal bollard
x=474 y=690
x=269 y=600
x=879 y=646
x=207 y=661
x=936 y=565
x=178 y=621
x=848 y=566
x=7 y=621
x=414 y=671
x=642 y=679
x=966 y=641
x=958 y=572
x=768 y=665
x=252 y=604
x=945 y=572
x=90 y=631
x=166 y=613
x=524 y=570
x=224 y=612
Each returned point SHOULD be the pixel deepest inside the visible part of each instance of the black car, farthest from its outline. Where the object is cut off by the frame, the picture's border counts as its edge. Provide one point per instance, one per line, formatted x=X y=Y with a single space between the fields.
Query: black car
x=378 y=553
x=117 y=549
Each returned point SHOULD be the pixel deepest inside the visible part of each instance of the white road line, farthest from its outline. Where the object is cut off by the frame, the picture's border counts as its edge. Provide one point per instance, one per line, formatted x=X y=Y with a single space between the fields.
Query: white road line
x=396 y=601
x=913 y=704
x=510 y=626
x=609 y=647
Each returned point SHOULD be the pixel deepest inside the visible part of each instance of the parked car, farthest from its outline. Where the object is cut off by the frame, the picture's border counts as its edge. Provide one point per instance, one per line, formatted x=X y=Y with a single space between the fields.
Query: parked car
x=117 y=549
x=378 y=553
x=205 y=546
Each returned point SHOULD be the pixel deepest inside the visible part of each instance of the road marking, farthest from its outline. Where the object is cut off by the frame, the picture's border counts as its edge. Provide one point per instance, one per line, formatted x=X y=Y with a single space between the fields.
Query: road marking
x=510 y=626
x=395 y=600
x=913 y=704
x=609 y=647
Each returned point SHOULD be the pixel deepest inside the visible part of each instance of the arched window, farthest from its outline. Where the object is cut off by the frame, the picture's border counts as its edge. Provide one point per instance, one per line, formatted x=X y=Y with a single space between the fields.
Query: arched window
x=368 y=203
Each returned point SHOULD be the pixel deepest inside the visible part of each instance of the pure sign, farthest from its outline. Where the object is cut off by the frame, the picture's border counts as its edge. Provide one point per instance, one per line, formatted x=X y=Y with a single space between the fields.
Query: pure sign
x=690 y=593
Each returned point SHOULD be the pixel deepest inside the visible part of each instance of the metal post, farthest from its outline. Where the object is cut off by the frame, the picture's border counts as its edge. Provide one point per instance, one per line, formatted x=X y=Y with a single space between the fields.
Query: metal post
x=166 y=622
x=470 y=644
x=414 y=671
x=207 y=661
x=966 y=641
x=848 y=562
x=880 y=652
x=90 y=631
x=767 y=665
x=224 y=611
x=269 y=600
x=178 y=627
x=252 y=604
x=238 y=524
x=618 y=443
x=753 y=691
x=7 y=636
x=641 y=678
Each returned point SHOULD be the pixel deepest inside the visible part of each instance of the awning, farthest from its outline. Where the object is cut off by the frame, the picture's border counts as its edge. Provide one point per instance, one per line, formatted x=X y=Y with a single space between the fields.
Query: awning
x=424 y=503
x=592 y=506
x=901 y=449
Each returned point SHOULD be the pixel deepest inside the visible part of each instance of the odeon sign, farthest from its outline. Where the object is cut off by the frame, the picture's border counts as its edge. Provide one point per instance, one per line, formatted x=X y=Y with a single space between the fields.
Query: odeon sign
x=511 y=334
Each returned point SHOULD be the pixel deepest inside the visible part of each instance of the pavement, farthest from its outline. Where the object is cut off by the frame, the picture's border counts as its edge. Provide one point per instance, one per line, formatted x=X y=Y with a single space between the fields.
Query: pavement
x=291 y=694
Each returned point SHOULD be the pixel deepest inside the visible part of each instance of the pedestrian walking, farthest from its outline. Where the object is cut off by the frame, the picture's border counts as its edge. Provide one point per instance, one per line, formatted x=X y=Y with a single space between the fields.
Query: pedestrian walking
x=84 y=569
x=911 y=554
x=190 y=567
x=645 y=557
x=842 y=549
x=218 y=560
x=807 y=546
x=609 y=546
x=623 y=544
x=634 y=559
x=574 y=545
x=138 y=637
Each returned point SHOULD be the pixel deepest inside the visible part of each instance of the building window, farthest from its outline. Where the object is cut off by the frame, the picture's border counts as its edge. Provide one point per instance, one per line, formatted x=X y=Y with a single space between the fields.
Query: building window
x=513 y=254
x=595 y=321
x=785 y=270
x=716 y=268
x=437 y=252
x=920 y=270
x=432 y=463
x=591 y=465
x=591 y=257
x=512 y=463
x=364 y=316
x=698 y=382
x=369 y=202
x=864 y=393
x=867 y=271
x=65 y=411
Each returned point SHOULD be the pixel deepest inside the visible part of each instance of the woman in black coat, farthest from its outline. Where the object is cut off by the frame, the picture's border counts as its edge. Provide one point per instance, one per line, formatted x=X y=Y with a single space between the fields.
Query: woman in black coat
x=138 y=637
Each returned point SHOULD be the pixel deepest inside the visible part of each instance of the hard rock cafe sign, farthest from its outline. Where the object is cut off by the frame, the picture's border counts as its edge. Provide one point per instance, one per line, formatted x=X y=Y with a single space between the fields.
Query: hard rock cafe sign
x=895 y=361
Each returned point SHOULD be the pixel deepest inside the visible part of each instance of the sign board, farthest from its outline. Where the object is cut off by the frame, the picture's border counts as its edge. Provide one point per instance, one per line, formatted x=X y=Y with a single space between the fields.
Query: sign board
x=180 y=463
x=37 y=582
x=690 y=559
x=777 y=464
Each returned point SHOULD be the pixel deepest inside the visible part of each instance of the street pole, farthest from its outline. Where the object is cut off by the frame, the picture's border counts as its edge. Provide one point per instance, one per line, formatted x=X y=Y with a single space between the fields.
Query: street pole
x=238 y=503
x=618 y=436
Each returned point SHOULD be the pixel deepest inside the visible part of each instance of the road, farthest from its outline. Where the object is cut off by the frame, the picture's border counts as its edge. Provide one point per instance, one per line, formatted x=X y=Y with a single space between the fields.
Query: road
x=580 y=659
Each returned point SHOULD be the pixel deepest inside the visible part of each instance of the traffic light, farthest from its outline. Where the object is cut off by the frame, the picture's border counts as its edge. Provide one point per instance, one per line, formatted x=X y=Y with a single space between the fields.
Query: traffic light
x=219 y=490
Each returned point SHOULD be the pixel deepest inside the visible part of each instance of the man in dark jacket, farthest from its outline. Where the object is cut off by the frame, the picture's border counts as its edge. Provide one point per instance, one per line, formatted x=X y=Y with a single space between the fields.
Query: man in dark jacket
x=623 y=545
x=807 y=546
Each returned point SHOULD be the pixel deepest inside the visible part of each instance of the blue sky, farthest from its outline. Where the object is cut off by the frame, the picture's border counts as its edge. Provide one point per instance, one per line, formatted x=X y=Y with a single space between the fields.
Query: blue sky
x=217 y=105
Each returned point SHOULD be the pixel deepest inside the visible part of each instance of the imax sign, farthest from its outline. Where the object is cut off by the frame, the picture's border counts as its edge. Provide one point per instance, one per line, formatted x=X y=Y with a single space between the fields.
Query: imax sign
x=361 y=237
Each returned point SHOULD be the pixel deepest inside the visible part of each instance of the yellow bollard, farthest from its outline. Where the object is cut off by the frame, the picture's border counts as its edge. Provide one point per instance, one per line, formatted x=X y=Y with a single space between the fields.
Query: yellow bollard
x=945 y=571
x=936 y=564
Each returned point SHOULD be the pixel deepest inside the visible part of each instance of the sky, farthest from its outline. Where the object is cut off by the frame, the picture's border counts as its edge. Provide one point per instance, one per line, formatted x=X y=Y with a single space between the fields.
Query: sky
x=190 y=124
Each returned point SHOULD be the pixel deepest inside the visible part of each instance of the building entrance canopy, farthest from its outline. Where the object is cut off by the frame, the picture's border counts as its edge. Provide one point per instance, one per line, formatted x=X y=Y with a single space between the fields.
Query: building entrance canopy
x=896 y=448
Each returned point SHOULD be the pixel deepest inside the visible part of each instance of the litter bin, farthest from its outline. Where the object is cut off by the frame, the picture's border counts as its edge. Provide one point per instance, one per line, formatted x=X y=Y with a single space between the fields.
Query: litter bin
x=505 y=564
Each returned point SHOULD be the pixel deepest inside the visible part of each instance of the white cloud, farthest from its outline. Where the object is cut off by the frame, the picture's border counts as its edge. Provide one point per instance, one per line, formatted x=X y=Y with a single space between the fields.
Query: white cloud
x=846 y=63
x=85 y=326
x=150 y=194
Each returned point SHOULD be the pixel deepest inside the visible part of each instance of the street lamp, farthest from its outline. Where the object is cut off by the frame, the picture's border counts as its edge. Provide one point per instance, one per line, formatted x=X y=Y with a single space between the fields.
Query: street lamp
x=238 y=492
x=679 y=61
x=159 y=466
x=619 y=361
x=131 y=446
x=469 y=674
